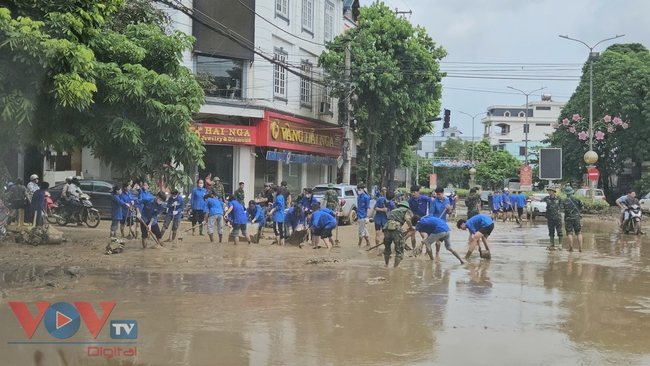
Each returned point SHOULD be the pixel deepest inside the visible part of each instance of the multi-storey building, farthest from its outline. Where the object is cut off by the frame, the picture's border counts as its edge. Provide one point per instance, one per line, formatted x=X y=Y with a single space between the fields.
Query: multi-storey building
x=504 y=125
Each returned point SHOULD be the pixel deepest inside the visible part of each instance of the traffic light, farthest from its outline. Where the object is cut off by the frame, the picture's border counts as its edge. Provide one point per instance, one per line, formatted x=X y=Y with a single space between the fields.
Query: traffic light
x=447 y=118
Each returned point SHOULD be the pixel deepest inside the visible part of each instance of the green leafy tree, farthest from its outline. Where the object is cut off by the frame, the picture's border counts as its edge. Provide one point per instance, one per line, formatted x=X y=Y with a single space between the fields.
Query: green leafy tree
x=71 y=78
x=498 y=166
x=621 y=81
x=395 y=70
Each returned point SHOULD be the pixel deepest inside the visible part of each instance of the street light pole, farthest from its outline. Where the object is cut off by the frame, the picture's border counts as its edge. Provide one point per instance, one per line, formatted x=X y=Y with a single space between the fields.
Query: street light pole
x=472 y=117
x=526 y=127
x=590 y=157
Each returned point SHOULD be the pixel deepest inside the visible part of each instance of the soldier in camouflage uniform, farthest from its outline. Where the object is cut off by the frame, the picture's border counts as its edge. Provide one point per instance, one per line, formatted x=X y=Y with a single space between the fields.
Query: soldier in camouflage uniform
x=331 y=198
x=472 y=202
x=572 y=208
x=553 y=217
x=393 y=231
x=239 y=194
x=217 y=189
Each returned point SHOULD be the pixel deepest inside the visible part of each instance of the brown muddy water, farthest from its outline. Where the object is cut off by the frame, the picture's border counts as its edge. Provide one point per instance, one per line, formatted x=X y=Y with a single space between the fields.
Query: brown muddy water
x=264 y=305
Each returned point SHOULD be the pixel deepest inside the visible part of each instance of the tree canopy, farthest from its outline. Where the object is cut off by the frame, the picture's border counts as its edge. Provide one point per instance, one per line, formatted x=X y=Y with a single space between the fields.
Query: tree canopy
x=71 y=77
x=396 y=76
x=621 y=81
x=495 y=166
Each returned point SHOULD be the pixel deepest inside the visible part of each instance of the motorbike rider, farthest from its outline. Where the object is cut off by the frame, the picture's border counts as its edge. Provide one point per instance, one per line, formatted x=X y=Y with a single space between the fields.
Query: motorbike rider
x=32 y=186
x=75 y=204
x=629 y=201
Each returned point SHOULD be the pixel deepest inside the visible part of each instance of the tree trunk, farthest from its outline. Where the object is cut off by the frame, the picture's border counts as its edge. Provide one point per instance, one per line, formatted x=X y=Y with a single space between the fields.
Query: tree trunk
x=371 y=150
x=392 y=157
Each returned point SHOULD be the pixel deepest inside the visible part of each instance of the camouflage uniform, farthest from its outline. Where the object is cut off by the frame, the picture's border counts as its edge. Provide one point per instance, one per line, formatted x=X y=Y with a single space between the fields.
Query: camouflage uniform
x=239 y=196
x=393 y=230
x=332 y=199
x=217 y=190
x=553 y=217
x=572 y=208
x=472 y=202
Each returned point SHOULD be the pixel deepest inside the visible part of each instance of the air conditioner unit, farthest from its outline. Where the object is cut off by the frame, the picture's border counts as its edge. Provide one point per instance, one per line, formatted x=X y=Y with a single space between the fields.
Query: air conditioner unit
x=325 y=108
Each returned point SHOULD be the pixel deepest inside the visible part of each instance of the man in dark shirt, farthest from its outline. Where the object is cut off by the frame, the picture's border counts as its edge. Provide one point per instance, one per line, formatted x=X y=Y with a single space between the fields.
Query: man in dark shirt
x=285 y=193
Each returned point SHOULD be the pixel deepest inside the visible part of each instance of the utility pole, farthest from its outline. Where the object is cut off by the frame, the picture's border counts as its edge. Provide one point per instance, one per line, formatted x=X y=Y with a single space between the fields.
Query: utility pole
x=347 y=137
x=398 y=12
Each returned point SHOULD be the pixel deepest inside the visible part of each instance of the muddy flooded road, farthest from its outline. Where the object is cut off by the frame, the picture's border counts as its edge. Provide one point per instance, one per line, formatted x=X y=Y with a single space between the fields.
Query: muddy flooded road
x=197 y=303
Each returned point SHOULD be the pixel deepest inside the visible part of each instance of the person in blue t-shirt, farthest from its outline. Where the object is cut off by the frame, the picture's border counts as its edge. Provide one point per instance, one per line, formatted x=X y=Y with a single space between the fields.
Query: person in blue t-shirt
x=496 y=205
x=292 y=219
x=277 y=215
x=363 y=211
x=151 y=207
x=256 y=216
x=480 y=227
x=419 y=204
x=239 y=218
x=117 y=204
x=440 y=205
x=127 y=212
x=506 y=203
x=383 y=206
x=308 y=199
x=213 y=215
x=433 y=230
x=197 y=205
x=322 y=224
x=174 y=213
x=518 y=206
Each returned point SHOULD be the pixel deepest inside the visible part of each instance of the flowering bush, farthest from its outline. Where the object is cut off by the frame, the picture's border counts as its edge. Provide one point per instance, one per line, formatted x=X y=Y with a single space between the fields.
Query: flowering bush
x=580 y=127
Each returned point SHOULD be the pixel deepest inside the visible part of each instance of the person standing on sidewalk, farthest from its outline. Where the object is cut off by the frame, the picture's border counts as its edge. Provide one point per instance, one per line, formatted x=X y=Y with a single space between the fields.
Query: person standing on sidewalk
x=217 y=190
x=393 y=231
x=472 y=201
x=363 y=211
x=240 y=195
x=572 y=208
x=553 y=216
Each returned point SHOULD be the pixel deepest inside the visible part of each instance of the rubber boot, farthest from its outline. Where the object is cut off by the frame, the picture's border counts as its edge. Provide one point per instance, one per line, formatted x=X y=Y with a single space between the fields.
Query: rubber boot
x=193 y=231
x=173 y=237
x=122 y=230
x=220 y=237
x=211 y=238
x=559 y=240
x=386 y=259
x=201 y=230
x=397 y=261
x=552 y=240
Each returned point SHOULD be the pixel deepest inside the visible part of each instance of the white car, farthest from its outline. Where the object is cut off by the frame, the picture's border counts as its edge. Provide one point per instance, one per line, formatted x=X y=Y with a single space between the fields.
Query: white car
x=536 y=208
x=599 y=195
x=645 y=203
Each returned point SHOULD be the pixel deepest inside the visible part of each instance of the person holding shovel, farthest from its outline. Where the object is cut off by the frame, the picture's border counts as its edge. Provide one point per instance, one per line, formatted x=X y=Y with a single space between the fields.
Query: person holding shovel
x=174 y=213
x=239 y=219
x=480 y=227
x=151 y=207
x=256 y=216
x=118 y=205
x=322 y=225
x=433 y=230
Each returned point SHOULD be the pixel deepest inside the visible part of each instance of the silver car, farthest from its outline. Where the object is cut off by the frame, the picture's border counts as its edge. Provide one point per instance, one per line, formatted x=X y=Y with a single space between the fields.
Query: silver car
x=347 y=201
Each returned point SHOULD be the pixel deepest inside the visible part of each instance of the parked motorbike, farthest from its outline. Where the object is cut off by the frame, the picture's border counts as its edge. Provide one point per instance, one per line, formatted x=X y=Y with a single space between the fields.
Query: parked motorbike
x=51 y=208
x=4 y=219
x=88 y=214
x=633 y=222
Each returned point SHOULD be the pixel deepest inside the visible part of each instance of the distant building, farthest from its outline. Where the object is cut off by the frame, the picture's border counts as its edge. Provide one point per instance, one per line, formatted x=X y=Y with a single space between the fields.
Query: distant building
x=429 y=143
x=504 y=125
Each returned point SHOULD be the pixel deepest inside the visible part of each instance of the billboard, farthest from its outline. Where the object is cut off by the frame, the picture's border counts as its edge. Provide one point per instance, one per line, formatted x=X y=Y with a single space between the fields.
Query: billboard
x=550 y=164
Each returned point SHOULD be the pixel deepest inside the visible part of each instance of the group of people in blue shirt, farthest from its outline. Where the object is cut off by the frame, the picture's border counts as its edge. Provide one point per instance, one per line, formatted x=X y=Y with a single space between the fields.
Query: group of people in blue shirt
x=146 y=207
x=437 y=206
x=508 y=204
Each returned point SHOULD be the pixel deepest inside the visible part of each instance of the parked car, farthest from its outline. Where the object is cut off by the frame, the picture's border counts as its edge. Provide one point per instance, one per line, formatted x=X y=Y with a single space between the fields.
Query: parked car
x=347 y=201
x=100 y=192
x=645 y=203
x=536 y=208
x=599 y=195
x=484 y=198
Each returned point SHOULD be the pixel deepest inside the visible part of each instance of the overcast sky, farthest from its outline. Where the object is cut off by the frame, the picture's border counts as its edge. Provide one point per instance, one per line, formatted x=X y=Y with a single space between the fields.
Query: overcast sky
x=521 y=32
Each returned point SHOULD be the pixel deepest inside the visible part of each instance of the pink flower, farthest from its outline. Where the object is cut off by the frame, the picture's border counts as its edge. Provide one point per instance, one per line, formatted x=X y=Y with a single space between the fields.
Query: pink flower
x=556 y=126
x=600 y=135
x=572 y=129
x=617 y=121
x=576 y=117
x=610 y=129
x=608 y=118
x=625 y=125
x=582 y=135
x=565 y=121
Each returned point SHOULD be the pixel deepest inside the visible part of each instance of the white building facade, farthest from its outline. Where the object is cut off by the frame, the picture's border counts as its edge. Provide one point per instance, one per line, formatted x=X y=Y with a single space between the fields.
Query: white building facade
x=504 y=125
x=430 y=143
x=261 y=122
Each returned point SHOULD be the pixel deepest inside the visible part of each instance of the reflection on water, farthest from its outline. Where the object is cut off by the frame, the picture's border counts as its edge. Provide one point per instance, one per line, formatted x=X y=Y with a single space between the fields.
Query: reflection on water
x=526 y=306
